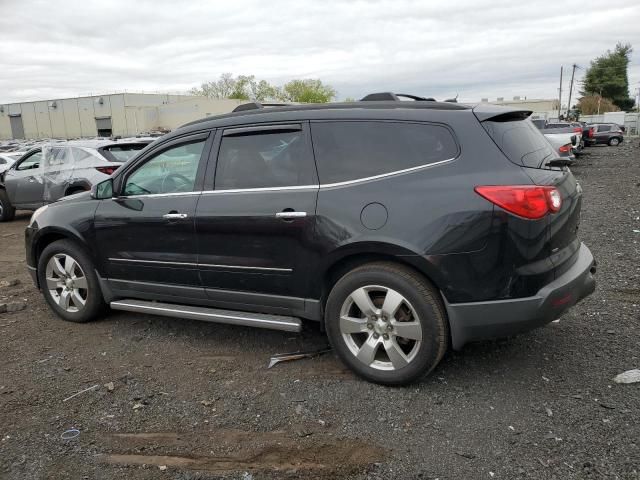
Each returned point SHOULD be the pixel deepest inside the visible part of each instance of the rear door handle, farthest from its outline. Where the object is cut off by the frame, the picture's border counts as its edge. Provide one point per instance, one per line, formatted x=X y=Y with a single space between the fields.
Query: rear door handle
x=290 y=214
x=175 y=216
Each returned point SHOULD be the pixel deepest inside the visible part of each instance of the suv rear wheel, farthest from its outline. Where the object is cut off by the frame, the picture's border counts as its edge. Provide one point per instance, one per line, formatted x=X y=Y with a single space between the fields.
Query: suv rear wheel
x=7 y=212
x=387 y=323
x=69 y=282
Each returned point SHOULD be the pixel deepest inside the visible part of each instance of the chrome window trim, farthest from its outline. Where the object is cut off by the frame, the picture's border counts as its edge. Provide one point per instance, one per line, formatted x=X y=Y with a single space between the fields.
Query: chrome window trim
x=298 y=187
x=157 y=195
x=263 y=189
x=190 y=264
x=384 y=175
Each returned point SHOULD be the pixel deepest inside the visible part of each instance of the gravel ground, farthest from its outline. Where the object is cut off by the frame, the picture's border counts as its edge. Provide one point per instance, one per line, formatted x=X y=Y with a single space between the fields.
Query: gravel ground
x=188 y=400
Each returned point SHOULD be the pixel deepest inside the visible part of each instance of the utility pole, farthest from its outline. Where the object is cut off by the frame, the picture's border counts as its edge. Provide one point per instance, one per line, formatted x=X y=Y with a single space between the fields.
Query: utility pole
x=560 y=94
x=599 y=98
x=573 y=72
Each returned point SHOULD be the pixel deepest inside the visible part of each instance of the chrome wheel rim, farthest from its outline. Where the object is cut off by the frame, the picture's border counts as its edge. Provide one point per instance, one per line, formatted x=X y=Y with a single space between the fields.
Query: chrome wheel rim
x=380 y=327
x=1 y=209
x=67 y=283
x=615 y=142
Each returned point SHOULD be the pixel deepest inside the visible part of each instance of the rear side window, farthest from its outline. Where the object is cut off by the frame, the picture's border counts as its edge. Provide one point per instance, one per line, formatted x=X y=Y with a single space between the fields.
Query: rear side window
x=264 y=159
x=353 y=150
x=519 y=140
x=604 y=128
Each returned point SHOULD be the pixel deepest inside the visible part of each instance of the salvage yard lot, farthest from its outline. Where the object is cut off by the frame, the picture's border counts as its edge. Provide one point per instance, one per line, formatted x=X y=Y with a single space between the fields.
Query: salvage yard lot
x=191 y=400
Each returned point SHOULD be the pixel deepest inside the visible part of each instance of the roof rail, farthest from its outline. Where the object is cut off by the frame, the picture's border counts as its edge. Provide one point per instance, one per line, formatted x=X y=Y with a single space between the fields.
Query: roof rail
x=375 y=97
x=256 y=106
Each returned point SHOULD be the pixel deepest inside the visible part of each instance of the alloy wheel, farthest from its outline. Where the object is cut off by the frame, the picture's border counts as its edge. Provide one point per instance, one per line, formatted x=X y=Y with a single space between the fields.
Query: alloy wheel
x=380 y=327
x=67 y=283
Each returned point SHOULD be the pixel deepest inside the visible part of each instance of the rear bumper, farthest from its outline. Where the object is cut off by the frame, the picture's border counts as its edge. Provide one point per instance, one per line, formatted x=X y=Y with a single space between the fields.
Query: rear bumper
x=481 y=320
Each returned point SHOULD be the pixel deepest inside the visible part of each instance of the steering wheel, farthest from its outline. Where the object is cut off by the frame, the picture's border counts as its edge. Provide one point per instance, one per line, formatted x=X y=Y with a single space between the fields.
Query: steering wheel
x=176 y=186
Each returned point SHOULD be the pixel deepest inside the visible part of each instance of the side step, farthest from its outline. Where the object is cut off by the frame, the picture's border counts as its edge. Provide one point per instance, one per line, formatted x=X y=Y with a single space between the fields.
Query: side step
x=248 y=319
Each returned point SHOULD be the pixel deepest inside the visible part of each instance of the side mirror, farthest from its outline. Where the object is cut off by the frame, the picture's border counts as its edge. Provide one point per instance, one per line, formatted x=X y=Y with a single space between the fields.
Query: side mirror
x=102 y=190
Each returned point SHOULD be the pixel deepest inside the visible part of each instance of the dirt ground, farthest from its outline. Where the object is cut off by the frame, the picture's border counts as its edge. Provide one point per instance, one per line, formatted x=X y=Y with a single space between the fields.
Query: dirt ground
x=192 y=400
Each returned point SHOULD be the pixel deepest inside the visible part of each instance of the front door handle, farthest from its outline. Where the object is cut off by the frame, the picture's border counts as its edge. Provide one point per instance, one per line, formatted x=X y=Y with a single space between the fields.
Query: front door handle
x=290 y=214
x=175 y=216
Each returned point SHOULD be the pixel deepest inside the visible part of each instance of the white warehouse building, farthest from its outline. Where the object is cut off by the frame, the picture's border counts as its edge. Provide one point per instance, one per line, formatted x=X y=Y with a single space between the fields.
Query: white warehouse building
x=120 y=114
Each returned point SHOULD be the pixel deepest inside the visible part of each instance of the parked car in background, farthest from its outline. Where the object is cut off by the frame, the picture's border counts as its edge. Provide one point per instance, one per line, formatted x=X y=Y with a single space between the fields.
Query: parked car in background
x=607 y=134
x=6 y=160
x=562 y=133
x=268 y=216
x=47 y=173
x=564 y=150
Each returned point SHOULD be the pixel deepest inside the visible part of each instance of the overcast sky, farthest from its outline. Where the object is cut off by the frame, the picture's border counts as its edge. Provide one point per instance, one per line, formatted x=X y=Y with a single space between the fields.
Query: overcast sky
x=64 y=48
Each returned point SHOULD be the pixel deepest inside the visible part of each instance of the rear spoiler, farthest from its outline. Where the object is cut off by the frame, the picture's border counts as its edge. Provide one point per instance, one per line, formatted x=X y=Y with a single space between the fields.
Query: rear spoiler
x=487 y=111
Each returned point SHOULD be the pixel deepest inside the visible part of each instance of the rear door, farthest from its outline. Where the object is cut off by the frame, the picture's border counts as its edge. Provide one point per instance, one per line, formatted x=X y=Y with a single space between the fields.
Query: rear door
x=602 y=133
x=255 y=222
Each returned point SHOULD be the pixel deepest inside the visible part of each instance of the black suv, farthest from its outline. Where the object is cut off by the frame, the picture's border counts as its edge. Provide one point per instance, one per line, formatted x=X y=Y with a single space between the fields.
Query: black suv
x=402 y=227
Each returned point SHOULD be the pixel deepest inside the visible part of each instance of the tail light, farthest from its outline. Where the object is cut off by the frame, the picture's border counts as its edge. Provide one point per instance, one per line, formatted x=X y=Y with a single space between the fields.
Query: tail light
x=527 y=201
x=565 y=148
x=107 y=170
x=578 y=129
x=591 y=132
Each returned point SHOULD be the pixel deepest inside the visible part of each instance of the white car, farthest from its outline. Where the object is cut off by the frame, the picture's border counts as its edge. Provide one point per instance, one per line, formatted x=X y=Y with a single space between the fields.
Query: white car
x=6 y=160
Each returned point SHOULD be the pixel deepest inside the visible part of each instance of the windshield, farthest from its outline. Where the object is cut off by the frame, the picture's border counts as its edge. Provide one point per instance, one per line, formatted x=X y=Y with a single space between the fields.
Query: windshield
x=520 y=141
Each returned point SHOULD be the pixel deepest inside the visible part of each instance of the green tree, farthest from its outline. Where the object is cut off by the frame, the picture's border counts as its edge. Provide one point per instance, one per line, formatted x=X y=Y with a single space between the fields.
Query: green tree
x=247 y=87
x=608 y=76
x=307 y=91
x=222 y=88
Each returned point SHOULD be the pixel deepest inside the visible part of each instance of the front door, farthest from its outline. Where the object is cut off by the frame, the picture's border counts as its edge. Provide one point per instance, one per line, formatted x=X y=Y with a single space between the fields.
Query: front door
x=25 y=181
x=145 y=233
x=255 y=228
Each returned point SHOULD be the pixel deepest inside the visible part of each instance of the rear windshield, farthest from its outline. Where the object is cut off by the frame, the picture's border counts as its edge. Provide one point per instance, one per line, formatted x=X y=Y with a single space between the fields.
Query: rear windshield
x=519 y=140
x=122 y=153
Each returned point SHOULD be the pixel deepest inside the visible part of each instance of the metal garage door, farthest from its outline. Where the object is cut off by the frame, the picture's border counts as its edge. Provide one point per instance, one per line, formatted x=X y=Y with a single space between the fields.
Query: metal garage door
x=103 y=125
x=17 y=129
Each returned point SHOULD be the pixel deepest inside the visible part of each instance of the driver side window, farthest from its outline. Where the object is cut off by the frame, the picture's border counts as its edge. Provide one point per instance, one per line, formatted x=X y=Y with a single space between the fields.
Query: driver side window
x=31 y=162
x=171 y=171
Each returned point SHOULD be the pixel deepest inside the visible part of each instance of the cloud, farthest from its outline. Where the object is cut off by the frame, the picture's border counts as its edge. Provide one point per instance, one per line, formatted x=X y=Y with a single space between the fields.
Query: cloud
x=473 y=48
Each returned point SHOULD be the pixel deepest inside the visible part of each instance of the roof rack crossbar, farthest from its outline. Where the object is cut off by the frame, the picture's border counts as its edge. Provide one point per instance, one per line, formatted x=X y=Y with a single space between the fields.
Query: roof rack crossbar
x=381 y=96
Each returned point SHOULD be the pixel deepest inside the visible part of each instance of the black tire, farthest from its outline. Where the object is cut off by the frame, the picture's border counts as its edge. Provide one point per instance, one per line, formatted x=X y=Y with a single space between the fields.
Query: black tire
x=614 y=142
x=94 y=301
x=7 y=211
x=422 y=297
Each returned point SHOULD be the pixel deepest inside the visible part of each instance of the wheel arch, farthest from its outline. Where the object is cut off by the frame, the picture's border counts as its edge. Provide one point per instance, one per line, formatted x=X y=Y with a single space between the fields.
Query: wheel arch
x=77 y=186
x=352 y=256
x=47 y=236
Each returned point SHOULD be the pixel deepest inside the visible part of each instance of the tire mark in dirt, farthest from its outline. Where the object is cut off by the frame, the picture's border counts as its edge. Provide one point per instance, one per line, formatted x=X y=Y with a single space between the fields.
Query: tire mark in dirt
x=241 y=451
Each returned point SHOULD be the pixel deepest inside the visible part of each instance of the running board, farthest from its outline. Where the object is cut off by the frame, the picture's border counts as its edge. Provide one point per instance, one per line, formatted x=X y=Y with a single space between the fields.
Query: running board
x=248 y=319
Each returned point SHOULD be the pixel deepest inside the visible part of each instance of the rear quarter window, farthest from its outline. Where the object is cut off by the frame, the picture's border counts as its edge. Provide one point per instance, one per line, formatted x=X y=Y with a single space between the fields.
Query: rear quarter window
x=354 y=150
x=519 y=140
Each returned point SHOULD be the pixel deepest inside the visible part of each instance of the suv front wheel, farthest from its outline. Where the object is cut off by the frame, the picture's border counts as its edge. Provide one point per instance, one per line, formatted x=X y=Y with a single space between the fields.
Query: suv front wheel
x=68 y=280
x=7 y=212
x=387 y=323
